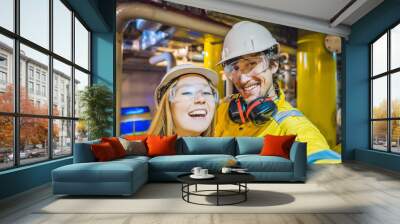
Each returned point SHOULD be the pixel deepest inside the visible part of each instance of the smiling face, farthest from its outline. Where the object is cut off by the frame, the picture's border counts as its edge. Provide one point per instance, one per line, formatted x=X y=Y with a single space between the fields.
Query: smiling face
x=252 y=77
x=192 y=105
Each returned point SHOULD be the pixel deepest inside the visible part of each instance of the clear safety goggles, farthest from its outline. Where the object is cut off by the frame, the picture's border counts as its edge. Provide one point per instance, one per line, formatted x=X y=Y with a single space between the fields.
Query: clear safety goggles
x=247 y=65
x=191 y=92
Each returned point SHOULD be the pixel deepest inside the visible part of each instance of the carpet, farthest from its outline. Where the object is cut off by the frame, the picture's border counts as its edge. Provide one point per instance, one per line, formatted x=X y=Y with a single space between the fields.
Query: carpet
x=166 y=198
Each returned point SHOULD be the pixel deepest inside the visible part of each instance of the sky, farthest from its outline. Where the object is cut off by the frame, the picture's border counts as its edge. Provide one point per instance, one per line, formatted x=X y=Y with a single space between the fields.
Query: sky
x=380 y=66
x=34 y=26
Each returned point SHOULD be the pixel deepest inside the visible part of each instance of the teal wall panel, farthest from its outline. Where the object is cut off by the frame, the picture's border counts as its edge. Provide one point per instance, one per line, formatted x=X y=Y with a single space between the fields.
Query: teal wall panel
x=24 y=178
x=356 y=124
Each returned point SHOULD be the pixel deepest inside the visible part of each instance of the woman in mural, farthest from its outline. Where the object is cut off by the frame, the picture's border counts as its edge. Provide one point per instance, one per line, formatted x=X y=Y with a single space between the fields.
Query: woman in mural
x=250 y=60
x=186 y=101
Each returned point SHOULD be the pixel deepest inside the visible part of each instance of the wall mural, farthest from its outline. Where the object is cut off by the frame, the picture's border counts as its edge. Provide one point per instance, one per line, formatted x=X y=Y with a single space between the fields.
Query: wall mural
x=188 y=103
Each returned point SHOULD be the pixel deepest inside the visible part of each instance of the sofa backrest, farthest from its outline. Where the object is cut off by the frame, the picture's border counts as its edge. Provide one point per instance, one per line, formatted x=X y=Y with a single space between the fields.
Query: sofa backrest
x=206 y=145
x=83 y=153
x=249 y=145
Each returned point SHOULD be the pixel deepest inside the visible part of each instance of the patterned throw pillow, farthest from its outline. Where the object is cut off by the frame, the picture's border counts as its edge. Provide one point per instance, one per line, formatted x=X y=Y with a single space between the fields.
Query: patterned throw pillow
x=134 y=147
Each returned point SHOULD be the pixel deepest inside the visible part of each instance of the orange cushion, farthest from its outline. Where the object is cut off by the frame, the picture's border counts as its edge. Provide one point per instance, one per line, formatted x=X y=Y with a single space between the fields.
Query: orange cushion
x=161 y=145
x=277 y=145
x=116 y=145
x=136 y=137
x=103 y=152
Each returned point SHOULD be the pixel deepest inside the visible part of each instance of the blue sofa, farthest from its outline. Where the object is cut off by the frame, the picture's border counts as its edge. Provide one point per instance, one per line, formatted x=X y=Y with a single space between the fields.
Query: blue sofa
x=125 y=176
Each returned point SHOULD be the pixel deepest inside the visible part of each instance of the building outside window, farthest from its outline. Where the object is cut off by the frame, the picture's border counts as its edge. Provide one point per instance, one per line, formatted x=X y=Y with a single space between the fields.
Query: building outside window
x=385 y=94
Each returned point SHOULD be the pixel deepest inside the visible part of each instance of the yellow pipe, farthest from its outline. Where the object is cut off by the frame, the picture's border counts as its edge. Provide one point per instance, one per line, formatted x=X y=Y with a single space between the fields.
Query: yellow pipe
x=316 y=84
x=118 y=78
x=212 y=55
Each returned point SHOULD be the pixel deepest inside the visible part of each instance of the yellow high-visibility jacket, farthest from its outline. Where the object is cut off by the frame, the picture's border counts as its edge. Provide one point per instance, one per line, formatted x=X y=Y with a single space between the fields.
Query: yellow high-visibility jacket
x=286 y=121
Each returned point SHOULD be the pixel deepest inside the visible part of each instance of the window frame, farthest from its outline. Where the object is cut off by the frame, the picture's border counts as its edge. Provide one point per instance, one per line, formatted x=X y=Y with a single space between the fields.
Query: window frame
x=16 y=114
x=388 y=74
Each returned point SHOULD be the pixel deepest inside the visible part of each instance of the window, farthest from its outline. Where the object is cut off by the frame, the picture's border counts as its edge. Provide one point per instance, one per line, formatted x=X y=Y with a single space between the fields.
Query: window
x=43 y=90
x=37 y=74
x=30 y=87
x=38 y=89
x=385 y=95
x=3 y=78
x=30 y=72
x=3 y=71
x=41 y=83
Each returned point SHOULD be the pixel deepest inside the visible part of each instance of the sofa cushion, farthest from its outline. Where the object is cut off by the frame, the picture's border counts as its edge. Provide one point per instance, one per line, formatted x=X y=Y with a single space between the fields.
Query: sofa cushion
x=135 y=147
x=116 y=145
x=161 y=145
x=249 y=145
x=112 y=171
x=257 y=163
x=103 y=152
x=206 y=145
x=185 y=163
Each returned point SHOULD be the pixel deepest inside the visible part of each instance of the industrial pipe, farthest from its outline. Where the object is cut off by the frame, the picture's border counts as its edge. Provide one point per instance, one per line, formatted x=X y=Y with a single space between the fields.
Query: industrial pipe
x=129 y=11
x=166 y=56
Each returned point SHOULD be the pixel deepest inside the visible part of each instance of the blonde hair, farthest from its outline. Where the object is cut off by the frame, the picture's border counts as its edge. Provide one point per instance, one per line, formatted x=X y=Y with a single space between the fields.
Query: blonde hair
x=163 y=123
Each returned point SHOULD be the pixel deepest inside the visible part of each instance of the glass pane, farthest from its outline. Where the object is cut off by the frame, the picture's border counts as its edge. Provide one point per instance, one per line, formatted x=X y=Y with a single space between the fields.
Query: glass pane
x=6 y=74
x=379 y=55
x=34 y=92
x=7 y=14
x=62 y=138
x=379 y=135
x=395 y=136
x=62 y=29
x=33 y=139
x=81 y=81
x=81 y=131
x=6 y=142
x=35 y=21
x=62 y=89
x=379 y=97
x=395 y=47
x=81 y=45
x=395 y=95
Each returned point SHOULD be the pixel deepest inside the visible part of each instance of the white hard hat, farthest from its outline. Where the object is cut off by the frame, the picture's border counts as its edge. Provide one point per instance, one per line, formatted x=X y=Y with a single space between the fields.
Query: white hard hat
x=180 y=70
x=246 y=37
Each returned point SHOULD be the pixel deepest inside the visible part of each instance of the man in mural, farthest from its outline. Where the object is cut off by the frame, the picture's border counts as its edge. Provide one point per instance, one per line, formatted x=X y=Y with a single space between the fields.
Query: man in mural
x=186 y=100
x=250 y=60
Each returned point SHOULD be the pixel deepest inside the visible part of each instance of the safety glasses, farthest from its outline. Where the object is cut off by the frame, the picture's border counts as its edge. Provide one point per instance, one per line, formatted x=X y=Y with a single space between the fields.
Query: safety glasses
x=247 y=65
x=191 y=92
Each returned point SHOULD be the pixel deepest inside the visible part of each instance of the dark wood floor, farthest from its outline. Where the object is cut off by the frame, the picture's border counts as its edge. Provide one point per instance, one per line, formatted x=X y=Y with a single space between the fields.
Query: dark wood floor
x=378 y=189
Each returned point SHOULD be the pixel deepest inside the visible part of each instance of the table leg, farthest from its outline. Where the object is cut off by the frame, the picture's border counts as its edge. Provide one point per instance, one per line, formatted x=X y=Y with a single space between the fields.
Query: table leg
x=196 y=188
x=217 y=194
x=245 y=191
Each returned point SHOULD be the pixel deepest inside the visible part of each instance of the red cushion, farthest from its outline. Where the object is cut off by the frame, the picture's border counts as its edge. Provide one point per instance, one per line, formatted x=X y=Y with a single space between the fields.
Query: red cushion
x=103 y=152
x=116 y=145
x=277 y=145
x=161 y=145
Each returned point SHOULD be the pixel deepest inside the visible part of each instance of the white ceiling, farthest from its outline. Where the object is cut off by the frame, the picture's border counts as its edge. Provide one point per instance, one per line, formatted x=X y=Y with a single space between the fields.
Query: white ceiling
x=315 y=15
x=319 y=9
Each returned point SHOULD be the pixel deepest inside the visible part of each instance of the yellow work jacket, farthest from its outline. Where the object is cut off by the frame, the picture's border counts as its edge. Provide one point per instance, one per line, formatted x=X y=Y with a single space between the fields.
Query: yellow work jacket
x=286 y=121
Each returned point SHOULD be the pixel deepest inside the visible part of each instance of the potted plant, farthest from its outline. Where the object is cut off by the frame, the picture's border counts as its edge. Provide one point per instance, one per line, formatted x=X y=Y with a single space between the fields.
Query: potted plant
x=96 y=102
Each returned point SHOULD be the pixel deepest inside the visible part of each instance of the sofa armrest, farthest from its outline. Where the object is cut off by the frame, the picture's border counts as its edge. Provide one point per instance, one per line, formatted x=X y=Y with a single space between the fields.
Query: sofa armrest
x=298 y=155
x=83 y=152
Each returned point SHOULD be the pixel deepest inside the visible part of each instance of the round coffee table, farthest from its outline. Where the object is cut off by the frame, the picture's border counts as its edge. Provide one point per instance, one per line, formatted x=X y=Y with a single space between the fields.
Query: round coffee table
x=238 y=179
